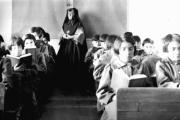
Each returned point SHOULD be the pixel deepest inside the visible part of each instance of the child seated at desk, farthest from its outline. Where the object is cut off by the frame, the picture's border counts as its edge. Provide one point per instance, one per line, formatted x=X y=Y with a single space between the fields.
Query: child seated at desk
x=168 y=69
x=115 y=76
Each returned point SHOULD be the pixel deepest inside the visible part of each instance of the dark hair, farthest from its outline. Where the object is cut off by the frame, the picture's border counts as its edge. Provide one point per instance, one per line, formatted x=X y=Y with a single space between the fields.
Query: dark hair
x=29 y=36
x=33 y=29
x=103 y=37
x=147 y=40
x=118 y=38
x=75 y=18
x=136 y=38
x=169 y=38
x=96 y=37
x=16 y=40
x=111 y=38
x=110 y=41
x=131 y=41
x=1 y=39
x=47 y=36
x=39 y=31
x=128 y=34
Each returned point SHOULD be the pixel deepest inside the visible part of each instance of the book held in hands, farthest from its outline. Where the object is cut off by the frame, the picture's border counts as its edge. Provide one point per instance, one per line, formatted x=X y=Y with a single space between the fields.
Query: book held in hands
x=23 y=59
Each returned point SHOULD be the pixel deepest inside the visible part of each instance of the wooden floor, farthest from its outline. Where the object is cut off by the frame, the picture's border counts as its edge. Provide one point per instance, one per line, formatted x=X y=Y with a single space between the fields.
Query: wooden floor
x=71 y=107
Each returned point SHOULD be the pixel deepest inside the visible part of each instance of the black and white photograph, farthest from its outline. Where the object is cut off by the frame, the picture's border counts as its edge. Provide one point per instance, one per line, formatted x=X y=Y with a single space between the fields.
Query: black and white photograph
x=89 y=60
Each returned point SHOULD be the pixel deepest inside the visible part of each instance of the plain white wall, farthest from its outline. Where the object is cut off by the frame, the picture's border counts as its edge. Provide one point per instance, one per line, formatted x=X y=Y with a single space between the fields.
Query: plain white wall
x=153 y=18
x=98 y=16
x=6 y=18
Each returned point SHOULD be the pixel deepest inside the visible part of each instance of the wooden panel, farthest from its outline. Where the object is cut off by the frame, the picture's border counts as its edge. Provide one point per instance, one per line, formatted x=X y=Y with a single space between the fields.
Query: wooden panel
x=2 y=93
x=148 y=116
x=148 y=94
x=148 y=103
x=148 y=106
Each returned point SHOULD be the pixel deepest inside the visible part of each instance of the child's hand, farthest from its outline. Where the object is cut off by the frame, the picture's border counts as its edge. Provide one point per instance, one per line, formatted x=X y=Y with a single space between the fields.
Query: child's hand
x=114 y=98
x=16 y=67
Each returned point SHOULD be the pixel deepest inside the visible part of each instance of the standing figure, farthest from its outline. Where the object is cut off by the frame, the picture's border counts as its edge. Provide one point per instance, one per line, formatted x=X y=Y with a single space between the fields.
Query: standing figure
x=73 y=47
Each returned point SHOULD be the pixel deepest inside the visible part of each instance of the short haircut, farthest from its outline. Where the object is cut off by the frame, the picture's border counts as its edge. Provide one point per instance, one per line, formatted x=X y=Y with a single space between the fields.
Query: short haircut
x=118 y=38
x=128 y=34
x=39 y=31
x=47 y=36
x=16 y=40
x=147 y=40
x=96 y=37
x=131 y=41
x=111 y=38
x=29 y=36
x=33 y=29
x=136 y=38
x=169 y=38
x=104 y=37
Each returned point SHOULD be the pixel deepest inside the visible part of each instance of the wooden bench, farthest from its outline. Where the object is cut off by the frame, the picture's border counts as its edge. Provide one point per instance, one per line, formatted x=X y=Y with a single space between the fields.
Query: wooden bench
x=148 y=104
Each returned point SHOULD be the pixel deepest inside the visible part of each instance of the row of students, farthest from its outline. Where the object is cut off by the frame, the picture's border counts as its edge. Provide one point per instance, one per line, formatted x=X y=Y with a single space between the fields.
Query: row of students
x=26 y=82
x=128 y=63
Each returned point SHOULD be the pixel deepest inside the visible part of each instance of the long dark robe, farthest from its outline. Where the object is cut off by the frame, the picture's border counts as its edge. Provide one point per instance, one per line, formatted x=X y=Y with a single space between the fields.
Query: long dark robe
x=70 y=59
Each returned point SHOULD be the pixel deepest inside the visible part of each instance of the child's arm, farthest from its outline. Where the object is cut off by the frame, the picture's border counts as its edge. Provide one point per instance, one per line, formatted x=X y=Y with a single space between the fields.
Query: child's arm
x=6 y=71
x=164 y=79
x=105 y=93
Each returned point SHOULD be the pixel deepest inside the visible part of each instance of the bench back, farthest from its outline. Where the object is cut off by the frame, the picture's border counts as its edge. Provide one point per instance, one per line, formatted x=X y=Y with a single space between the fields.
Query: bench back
x=148 y=104
x=2 y=94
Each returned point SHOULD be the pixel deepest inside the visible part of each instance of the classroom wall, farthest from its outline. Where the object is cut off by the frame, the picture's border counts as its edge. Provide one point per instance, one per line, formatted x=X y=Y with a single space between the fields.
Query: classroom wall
x=153 y=18
x=98 y=16
x=147 y=18
x=5 y=18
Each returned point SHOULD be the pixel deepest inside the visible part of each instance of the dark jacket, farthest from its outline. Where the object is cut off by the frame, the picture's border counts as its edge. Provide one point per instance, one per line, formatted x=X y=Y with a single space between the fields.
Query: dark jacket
x=168 y=73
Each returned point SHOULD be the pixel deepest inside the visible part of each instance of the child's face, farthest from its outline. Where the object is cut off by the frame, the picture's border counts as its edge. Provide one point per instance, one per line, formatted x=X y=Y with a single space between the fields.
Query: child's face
x=29 y=43
x=108 y=45
x=138 y=45
x=148 y=48
x=103 y=45
x=45 y=40
x=116 y=46
x=174 y=50
x=126 y=52
x=16 y=50
x=96 y=43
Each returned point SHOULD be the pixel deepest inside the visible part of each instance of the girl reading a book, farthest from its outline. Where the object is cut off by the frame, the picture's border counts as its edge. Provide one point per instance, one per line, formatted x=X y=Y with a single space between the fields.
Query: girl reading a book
x=168 y=69
x=25 y=77
x=116 y=75
x=38 y=58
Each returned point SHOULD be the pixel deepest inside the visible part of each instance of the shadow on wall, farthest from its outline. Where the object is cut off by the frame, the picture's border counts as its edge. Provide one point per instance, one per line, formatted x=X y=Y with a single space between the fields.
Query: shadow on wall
x=91 y=22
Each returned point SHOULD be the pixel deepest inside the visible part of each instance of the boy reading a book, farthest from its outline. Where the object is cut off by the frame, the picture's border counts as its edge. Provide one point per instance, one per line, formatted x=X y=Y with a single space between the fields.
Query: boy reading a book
x=38 y=58
x=25 y=76
x=116 y=75
x=168 y=69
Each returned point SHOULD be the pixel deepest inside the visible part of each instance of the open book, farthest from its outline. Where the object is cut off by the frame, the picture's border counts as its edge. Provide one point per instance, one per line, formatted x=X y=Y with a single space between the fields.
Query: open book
x=33 y=52
x=139 y=80
x=23 y=59
x=121 y=80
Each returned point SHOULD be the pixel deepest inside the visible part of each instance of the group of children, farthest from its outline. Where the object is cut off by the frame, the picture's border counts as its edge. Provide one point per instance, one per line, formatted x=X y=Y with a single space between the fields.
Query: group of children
x=26 y=83
x=113 y=60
